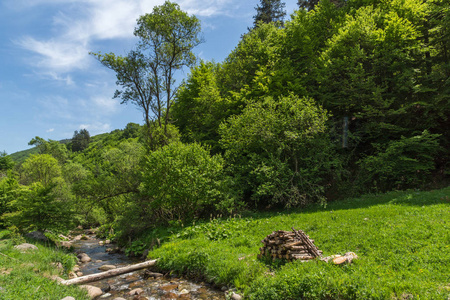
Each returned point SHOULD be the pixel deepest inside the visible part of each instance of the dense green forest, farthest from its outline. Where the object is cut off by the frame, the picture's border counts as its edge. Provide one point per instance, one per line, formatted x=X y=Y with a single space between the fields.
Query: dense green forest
x=343 y=98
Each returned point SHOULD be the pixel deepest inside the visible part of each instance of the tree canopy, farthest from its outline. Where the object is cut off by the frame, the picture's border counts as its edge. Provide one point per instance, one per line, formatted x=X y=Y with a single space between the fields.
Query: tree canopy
x=147 y=75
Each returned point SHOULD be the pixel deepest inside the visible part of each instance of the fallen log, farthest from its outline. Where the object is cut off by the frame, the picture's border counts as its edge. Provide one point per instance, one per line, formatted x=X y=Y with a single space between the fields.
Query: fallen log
x=110 y=273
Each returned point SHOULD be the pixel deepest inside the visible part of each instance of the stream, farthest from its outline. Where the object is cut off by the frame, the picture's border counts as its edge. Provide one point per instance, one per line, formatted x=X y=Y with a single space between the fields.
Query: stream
x=122 y=285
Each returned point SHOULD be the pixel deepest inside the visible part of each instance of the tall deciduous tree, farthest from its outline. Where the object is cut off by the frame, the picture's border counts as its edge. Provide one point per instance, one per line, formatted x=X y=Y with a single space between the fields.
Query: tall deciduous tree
x=146 y=75
x=42 y=168
x=269 y=11
x=54 y=148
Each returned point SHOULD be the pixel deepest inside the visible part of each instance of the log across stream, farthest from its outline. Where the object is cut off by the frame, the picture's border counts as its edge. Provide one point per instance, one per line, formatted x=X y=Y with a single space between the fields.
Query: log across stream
x=121 y=285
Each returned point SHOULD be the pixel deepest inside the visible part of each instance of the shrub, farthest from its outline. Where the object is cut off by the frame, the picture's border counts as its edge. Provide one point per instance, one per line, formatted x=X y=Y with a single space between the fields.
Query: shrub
x=8 y=186
x=36 y=207
x=41 y=168
x=182 y=182
x=402 y=163
x=278 y=151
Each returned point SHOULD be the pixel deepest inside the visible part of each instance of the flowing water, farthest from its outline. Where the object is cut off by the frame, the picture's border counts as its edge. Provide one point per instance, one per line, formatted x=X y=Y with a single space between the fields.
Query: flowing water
x=122 y=285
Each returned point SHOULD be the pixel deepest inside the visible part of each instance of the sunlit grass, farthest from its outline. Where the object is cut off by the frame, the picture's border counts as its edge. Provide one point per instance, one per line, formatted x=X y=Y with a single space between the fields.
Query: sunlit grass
x=402 y=239
x=25 y=275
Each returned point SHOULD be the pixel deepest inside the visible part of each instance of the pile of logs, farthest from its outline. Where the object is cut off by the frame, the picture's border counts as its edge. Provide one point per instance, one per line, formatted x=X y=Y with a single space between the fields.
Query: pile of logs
x=290 y=245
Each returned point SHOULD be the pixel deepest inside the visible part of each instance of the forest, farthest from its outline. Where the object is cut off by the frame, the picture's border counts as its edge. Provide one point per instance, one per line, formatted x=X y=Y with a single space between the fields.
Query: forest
x=339 y=100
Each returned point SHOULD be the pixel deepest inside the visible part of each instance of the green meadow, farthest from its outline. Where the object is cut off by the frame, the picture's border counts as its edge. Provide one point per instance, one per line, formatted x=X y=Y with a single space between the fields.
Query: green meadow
x=402 y=240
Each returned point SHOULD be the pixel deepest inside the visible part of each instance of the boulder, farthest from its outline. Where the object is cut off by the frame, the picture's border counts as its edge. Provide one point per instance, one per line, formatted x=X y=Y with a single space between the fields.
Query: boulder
x=25 y=247
x=105 y=295
x=107 y=267
x=184 y=292
x=66 y=244
x=235 y=296
x=92 y=291
x=149 y=274
x=83 y=257
x=77 y=238
x=137 y=291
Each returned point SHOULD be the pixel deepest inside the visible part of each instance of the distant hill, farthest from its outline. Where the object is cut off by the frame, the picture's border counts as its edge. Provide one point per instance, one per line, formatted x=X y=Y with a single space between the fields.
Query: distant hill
x=131 y=131
x=21 y=156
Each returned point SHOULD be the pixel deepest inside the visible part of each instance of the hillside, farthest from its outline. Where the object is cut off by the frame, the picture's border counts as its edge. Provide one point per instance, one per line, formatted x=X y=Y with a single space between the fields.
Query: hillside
x=21 y=156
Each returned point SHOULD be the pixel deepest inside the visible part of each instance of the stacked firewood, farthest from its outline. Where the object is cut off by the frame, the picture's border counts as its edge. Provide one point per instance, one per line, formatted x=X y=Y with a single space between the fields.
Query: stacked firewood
x=290 y=245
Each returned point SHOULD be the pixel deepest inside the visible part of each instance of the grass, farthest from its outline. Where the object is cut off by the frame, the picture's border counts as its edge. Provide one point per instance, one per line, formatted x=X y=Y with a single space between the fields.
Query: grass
x=402 y=240
x=24 y=275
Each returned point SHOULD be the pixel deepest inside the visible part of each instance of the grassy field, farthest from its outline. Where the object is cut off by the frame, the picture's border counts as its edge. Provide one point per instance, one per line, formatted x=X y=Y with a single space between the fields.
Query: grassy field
x=402 y=240
x=24 y=275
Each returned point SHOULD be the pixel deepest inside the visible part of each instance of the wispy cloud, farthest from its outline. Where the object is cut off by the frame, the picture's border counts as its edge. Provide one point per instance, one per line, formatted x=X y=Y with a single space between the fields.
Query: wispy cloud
x=50 y=130
x=84 y=22
x=104 y=104
x=96 y=128
x=56 y=55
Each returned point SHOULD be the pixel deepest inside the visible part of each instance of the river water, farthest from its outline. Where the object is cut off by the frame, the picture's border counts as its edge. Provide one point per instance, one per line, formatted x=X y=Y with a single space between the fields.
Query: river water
x=122 y=285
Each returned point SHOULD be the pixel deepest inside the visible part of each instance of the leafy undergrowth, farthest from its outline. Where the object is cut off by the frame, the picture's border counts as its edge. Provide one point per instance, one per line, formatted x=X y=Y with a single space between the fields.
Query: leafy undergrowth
x=402 y=240
x=24 y=275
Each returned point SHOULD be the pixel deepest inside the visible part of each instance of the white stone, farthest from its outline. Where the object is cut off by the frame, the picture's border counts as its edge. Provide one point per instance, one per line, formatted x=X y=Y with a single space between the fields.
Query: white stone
x=136 y=292
x=92 y=291
x=107 y=267
x=183 y=292
x=25 y=247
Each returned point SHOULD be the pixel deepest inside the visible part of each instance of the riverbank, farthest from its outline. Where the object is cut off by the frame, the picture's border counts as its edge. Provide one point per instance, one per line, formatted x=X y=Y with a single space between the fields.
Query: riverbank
x=402 y=240
x=26 y=274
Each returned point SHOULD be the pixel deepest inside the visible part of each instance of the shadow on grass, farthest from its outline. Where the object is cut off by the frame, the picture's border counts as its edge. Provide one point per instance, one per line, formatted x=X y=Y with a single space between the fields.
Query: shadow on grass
x=154 y=237
x=408 y=197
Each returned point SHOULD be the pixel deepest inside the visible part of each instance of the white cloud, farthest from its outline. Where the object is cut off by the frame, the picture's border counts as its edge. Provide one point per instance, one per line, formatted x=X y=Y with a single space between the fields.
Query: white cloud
x=56 y=55
x=50 y=130
x=105 y=105
x=80 y=23
x=96 y=128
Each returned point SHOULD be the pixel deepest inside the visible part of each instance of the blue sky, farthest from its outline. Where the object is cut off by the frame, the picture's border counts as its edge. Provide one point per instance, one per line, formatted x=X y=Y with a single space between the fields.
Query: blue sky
x=50 y=86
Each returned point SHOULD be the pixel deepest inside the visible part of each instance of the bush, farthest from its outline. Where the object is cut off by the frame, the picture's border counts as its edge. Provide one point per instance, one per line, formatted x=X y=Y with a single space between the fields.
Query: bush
x=403 y=163
x=42 y=168
x=278 y=151
x=36 y=207
x=182 y=182
x=8 y=187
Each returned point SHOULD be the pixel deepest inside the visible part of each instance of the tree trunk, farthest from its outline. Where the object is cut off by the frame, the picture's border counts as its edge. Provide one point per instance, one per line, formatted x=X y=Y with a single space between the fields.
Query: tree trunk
x=110 y=273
